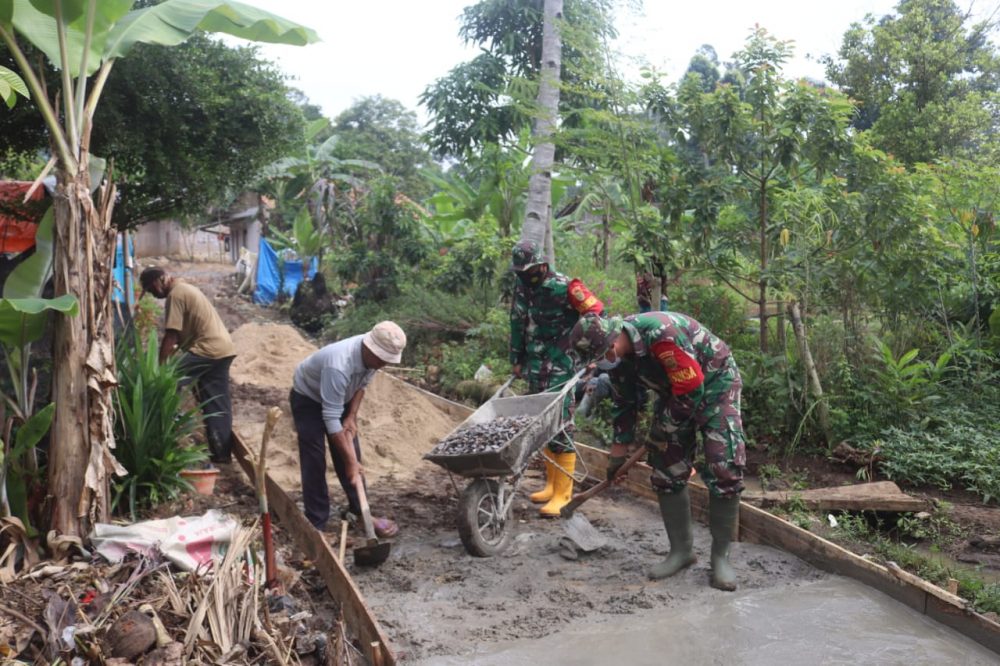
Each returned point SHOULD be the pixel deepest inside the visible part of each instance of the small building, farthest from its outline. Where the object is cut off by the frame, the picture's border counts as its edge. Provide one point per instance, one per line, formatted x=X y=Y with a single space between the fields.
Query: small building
x=167 y=238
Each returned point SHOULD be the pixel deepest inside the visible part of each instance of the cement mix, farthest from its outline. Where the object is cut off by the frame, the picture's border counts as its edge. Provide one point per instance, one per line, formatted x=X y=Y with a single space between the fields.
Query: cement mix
x=829 y=621
x=531 y=606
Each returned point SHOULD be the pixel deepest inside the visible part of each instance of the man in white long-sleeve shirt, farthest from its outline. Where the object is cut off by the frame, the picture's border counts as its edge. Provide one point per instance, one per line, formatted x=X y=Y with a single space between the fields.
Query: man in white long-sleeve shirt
x=326 y=394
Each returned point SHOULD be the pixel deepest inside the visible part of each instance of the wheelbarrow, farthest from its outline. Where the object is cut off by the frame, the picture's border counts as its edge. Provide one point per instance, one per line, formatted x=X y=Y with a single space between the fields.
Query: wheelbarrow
x=485 y=522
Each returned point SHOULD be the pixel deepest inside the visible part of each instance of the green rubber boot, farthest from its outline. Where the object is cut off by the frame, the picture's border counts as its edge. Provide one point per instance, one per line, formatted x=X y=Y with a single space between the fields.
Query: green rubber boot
x=676 y=511
x=722 y=514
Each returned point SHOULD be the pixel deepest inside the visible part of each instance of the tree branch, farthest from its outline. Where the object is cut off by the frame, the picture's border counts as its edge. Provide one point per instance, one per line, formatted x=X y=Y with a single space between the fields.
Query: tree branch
x=40 y=98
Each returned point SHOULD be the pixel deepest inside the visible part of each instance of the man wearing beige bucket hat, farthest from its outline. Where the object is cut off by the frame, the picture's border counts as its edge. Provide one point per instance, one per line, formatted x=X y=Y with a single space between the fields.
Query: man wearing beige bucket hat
x=326 y=395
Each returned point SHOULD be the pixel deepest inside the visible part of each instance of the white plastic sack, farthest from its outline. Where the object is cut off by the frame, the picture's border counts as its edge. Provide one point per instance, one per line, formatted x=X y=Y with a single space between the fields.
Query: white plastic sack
x=190 y=543
x=483 y=373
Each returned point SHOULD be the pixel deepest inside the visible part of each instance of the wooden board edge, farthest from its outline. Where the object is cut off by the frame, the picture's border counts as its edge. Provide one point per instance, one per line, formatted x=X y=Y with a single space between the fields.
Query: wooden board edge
x=758 y=526
x=893 y=506
x=339 y=583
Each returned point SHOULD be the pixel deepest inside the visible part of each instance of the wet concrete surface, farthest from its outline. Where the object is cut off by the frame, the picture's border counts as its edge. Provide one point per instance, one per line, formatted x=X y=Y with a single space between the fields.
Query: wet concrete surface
x=829 y=621
x=441 y=606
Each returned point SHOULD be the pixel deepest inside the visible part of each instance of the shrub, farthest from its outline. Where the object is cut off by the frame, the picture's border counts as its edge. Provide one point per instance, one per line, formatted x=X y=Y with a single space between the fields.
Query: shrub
x=153 y=428
x=959 y=448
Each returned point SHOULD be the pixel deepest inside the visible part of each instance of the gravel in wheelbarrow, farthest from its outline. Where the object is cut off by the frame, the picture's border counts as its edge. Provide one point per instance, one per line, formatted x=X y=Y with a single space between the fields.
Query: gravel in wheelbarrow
x=487 y=437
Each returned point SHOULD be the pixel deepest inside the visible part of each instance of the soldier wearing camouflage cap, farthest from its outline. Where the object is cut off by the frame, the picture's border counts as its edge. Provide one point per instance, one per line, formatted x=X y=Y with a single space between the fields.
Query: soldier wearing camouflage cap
x=697 y=385
x=544 y=308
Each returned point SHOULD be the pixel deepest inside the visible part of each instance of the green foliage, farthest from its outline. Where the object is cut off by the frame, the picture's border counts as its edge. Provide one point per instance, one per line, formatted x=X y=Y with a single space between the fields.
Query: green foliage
x=305 y=239
x=908 y=386
x=11 y=86
x=472 y=265
x=153 y=427
x=959 y=448
x=19 y=473
x=383 y=131
x=766 y=399
x=925 y=80
x=172 y=160
x=489 y=99
x=386 y=244
x=995 y=330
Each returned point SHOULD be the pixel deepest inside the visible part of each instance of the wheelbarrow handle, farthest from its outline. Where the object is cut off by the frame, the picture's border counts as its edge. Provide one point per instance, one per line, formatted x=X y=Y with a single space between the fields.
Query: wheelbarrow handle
x=580 y=498
x=568 y=385
x=503 y=387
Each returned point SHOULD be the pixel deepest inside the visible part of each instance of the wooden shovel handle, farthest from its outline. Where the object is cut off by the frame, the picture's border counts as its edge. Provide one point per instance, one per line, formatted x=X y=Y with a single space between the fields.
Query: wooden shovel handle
x=366 y=514
x=580 y=498
x=273 y=415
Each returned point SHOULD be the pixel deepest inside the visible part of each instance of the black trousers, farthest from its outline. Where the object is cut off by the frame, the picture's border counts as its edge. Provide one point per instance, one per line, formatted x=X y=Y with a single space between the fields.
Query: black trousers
x=313 y=441
x=211 y=388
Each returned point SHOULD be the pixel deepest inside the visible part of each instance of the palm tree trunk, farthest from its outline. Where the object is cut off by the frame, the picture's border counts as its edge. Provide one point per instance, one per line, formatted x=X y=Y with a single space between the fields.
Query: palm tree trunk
x=80 y=457
x=538 y=216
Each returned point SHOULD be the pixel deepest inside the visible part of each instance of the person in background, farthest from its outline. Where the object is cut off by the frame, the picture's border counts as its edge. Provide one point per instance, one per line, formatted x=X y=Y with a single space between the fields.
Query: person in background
x=543 y=311
x=192 y=324
x=697 y=385
x=326 y=395
x=644 y=293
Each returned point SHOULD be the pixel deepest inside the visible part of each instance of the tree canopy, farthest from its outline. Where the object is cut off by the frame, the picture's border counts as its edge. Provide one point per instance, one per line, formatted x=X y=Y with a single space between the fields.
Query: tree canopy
x=187 y=126
x=926 y=80
x=383 y=131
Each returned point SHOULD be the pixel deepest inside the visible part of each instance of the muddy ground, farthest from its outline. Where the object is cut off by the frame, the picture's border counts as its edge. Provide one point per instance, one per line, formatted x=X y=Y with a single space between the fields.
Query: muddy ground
x=437 y=602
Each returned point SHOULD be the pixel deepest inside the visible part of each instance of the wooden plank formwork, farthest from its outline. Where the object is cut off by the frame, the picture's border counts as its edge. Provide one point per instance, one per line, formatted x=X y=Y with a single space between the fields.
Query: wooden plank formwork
x=357 y=616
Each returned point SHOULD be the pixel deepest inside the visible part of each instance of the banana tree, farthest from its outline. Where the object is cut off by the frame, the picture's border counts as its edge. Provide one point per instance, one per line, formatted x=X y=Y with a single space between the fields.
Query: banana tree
x=23 y=314
x=83 y=39
x=312 y=180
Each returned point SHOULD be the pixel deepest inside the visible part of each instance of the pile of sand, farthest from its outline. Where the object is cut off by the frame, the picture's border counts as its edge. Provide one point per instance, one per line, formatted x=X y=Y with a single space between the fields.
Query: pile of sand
x=397 y=423
x=267 y=354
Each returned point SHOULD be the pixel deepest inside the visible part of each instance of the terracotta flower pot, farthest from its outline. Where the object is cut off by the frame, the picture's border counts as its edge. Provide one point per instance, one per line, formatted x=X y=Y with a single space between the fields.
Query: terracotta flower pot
x=203 y=480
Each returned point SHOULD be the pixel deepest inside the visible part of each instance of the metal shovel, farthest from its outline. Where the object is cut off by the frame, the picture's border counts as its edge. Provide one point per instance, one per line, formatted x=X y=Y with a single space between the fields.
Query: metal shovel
x=578 y=529
x=373 y=552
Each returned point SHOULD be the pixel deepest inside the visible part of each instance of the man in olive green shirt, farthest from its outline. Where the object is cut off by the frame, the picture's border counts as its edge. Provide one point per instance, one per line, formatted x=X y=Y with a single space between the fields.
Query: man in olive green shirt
x=192 y=324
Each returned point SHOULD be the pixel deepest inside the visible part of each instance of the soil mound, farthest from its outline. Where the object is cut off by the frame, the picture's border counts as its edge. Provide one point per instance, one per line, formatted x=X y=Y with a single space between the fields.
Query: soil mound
x=268 y=354
x=397 y=425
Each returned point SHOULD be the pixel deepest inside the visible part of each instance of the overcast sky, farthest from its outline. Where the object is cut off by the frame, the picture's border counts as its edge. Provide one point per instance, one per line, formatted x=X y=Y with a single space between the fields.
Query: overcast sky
x=397 y=47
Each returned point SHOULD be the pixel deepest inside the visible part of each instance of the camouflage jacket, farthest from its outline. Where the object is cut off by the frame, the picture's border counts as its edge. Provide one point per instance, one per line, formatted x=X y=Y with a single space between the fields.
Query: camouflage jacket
x=674 y=356
x=541 y=318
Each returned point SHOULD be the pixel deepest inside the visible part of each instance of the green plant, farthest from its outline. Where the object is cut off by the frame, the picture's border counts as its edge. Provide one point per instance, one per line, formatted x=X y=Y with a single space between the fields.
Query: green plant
x=987 y=599
x=153 y=427
x=907 y=385
x=768 y=473
x=957 y=448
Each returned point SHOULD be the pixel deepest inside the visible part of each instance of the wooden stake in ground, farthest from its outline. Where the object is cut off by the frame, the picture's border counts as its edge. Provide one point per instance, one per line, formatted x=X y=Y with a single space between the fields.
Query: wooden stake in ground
x=270 y=566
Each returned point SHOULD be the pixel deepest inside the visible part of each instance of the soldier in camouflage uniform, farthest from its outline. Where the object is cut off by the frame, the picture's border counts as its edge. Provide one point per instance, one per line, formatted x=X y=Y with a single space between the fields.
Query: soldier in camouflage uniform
x=543 y=311
x=697 y=385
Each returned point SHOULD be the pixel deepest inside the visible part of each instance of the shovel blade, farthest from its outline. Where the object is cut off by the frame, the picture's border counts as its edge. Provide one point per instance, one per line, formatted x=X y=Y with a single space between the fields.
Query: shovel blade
x=372 y=554
x=579 y=530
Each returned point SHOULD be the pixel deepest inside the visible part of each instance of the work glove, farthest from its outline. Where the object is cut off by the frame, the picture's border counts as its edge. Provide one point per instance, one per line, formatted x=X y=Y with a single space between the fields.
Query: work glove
x=614 y=464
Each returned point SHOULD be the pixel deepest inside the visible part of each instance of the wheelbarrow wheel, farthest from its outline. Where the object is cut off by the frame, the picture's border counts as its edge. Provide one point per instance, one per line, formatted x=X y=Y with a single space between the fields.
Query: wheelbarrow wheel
x=485 y=528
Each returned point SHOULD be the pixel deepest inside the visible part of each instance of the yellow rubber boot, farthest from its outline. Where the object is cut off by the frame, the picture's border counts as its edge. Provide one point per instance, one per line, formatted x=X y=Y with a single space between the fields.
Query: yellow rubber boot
x=545 y=494
x=562 y=493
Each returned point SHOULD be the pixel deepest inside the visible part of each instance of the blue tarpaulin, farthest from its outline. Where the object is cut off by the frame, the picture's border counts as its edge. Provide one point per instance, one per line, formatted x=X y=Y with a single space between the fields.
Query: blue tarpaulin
x=119 y=270
x=270 y=270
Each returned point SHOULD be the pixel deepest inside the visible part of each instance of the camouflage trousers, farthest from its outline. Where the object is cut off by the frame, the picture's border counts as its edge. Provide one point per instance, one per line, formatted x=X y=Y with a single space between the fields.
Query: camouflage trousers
x=543 y=375
x=714 y=411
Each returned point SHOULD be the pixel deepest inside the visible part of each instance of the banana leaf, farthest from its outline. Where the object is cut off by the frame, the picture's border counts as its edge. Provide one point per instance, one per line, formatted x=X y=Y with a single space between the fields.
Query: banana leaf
x=117 y=27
